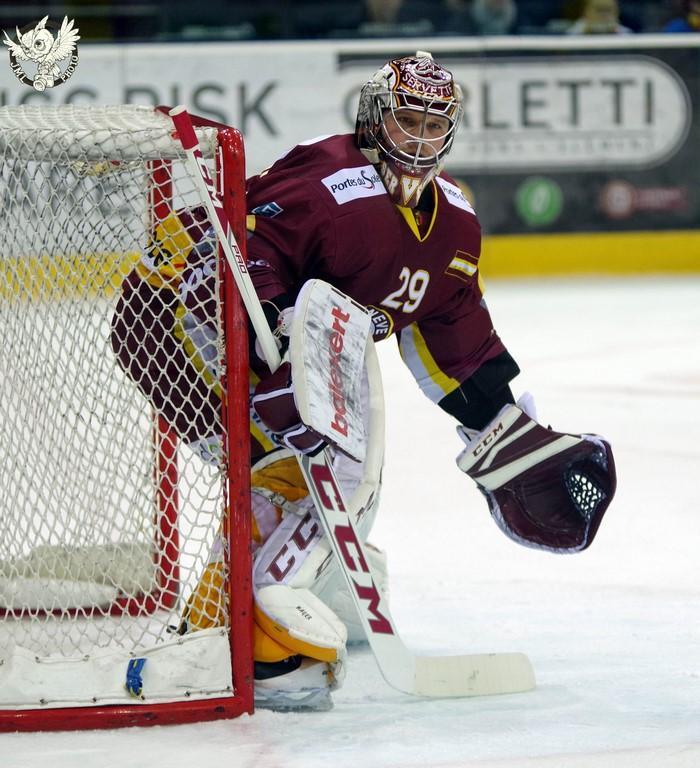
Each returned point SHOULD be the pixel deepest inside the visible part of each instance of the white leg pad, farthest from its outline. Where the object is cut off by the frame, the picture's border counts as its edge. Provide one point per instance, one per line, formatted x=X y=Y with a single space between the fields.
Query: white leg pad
x=303 y=616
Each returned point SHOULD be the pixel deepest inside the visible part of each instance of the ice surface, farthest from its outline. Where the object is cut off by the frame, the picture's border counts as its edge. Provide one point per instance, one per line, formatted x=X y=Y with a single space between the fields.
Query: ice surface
x=613 y=632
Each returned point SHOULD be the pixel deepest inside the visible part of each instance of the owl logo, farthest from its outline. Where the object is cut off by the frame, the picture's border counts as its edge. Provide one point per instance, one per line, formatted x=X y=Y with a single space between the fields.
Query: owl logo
x=38 y=46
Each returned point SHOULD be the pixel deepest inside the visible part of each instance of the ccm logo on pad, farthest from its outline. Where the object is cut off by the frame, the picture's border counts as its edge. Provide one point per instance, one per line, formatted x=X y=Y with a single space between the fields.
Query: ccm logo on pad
x=486 y=441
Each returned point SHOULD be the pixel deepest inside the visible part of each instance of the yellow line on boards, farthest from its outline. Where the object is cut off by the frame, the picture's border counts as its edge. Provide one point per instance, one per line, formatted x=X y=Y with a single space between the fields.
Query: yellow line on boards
x=66 y=276
x=591 y=253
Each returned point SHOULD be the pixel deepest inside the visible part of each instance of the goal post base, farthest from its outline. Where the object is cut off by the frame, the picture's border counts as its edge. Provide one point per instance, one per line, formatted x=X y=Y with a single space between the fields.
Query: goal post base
x=100 y=718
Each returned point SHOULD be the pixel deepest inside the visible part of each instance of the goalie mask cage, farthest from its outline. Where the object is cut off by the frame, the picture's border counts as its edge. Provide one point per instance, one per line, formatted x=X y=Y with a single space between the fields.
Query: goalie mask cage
x=109 y=514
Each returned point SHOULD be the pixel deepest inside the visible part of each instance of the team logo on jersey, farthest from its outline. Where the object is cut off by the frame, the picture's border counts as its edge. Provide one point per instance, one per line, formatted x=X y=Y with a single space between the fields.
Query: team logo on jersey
x=268 y=210
x=352 y=183
x=41 y=52
x=169 y=246
x=410 y=186
x=454 y=195
x=382 y=324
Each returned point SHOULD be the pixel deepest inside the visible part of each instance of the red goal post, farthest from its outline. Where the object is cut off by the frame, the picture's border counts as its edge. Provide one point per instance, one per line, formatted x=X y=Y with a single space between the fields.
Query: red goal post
x=108 y=515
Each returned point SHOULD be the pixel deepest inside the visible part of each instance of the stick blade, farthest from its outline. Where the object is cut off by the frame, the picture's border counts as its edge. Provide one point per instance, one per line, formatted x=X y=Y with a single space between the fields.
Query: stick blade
x=487 y=674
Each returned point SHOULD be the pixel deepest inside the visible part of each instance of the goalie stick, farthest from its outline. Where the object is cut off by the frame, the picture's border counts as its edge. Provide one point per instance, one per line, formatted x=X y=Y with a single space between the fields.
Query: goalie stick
x=429 y=676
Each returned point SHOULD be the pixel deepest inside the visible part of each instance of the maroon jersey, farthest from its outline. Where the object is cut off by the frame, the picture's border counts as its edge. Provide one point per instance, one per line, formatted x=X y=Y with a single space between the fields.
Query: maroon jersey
x=321 y=211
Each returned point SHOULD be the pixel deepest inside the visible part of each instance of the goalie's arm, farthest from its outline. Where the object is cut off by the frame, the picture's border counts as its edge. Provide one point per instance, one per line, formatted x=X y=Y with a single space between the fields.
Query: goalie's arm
x=457 y=358
x=480 y=397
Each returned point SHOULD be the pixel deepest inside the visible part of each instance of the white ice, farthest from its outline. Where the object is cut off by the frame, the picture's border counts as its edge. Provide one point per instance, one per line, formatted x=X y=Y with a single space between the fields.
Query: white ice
x=613 y=632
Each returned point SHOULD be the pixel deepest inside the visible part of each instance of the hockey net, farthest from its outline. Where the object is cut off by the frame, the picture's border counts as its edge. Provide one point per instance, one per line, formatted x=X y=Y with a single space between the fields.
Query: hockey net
x=107 y=515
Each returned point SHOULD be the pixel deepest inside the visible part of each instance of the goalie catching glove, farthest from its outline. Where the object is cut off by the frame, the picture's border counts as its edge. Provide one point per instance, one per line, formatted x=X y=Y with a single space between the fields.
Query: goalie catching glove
x=545 y=489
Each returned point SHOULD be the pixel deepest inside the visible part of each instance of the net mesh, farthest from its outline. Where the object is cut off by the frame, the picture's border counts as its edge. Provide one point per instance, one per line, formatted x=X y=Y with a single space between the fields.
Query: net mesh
x=111 y=487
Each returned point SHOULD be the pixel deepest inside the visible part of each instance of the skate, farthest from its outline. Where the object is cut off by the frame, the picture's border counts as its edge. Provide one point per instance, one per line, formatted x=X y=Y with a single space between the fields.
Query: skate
x=296 y=684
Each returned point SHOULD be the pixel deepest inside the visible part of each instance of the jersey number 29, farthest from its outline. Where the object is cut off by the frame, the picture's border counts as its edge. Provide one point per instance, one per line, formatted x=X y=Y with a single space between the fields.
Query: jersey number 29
x=409 y=295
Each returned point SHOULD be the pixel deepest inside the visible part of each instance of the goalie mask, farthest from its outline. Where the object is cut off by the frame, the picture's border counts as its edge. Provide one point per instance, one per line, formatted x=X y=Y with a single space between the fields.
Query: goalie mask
x=406 y=122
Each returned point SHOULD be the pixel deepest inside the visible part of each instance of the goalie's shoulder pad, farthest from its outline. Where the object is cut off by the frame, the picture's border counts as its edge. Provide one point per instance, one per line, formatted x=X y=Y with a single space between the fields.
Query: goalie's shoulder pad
x=545 y=489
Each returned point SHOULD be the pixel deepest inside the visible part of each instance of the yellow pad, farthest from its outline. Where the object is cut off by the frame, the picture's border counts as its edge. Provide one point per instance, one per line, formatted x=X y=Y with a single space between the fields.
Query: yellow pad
x=271 y=642
x=281 y=637
x=281 y=476
x=266 y=648
x=205 y=607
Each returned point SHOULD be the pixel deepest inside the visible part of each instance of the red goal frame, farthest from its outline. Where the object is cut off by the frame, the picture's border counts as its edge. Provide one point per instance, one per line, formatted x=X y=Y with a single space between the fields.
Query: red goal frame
x=230 y=172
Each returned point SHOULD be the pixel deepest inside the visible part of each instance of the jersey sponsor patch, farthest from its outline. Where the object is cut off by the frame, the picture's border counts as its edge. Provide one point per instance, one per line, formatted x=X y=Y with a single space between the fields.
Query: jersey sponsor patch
x=352 y=183
x=463 y=266
x=258 y=264
x=454 y=195
x=269 y=210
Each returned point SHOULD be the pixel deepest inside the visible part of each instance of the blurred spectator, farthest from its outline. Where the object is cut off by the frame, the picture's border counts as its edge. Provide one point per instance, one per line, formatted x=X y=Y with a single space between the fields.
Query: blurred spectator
x=599 y=17
x=481 y=17
x=397 y=18
x=383 y=11
x=689 y=21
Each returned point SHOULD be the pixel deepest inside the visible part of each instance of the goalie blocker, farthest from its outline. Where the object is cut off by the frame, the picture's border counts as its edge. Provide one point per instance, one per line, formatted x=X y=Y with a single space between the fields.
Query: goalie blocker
x=545 y=489
x=315 y=397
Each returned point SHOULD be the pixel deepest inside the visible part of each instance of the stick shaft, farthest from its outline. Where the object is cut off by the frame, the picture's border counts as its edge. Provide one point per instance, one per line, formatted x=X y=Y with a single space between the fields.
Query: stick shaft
x=232 y=252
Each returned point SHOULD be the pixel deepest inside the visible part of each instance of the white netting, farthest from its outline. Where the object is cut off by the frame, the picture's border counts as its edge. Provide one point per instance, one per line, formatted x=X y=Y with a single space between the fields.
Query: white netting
x=103 y=512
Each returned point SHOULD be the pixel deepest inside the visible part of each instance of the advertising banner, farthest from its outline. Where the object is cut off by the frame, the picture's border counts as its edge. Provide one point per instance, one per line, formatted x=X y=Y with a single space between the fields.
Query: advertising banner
x=560 y=135
x=574 y=139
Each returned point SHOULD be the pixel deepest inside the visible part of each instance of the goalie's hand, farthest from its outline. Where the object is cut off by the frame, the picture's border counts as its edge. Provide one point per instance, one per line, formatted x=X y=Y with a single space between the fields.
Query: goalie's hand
x=279 y=313
x=545 y=489
x=274 y=403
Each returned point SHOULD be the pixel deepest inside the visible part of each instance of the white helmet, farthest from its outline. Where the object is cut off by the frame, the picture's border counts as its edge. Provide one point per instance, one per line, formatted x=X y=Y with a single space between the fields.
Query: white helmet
x=416 y=83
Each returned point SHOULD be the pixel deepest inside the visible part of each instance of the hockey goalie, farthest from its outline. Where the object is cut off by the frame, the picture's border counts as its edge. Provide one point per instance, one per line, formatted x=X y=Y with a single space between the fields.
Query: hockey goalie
x=371 y=215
